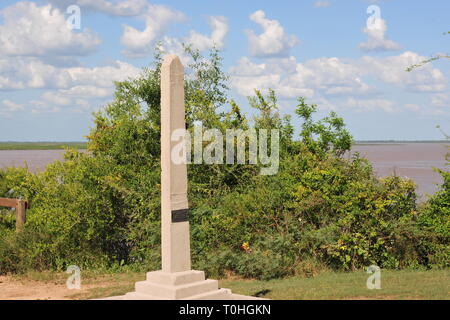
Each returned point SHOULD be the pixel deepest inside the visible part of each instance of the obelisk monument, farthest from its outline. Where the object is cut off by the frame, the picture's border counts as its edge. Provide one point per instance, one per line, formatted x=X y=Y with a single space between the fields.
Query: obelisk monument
x=176 y=251
x=176 y=280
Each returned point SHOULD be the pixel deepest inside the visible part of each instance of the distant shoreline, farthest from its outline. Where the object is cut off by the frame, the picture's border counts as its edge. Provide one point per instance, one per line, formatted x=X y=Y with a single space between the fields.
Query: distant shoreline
x=398 y=141
x=44 y=145
x=50 y=145
x=374 y=143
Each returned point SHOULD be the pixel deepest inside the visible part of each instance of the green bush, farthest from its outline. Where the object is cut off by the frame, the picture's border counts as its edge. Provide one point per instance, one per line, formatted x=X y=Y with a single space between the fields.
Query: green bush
x=323 y=210
x=435 y=219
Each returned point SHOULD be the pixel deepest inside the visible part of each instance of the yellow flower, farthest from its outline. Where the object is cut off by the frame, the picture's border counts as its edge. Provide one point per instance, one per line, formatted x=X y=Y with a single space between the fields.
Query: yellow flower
x=246 y=247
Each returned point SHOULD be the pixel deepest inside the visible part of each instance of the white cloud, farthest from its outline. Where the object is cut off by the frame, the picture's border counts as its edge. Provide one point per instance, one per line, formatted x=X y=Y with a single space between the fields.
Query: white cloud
x=371 y=104
x=9 y=106
x=323 y=76
x=219 y=27
x=58 y=101
x=431 y=109
x=103 y=76
x=170 y=45
x=329 y=82
x=376 y=38
x=322 y=4
x=74 y=89
x=441 y=100
x=272 y=42
x=157 y=19
x=76 y=99
x=274 y=73
x=55 y=98
x=23 y=73
x=196 y=40
x=330 y=79
x=333 y=76
x=118 y=8
x=31 y=73
x=413 y=107
x=392 y=70
x=30 y=30
x=141 y=43
x=88 y=91
x=37 y=106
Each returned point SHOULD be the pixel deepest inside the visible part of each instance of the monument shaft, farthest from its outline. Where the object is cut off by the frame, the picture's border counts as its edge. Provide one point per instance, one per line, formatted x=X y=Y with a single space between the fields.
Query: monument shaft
x=176 y=280
x=176 y=256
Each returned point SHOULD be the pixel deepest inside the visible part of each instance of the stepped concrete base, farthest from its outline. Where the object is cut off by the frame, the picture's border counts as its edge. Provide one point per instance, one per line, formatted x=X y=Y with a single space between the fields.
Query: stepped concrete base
x=186 y=285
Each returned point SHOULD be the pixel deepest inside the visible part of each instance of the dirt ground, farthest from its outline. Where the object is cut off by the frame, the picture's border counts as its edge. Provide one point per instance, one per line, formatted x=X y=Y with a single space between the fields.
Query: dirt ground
x=24 y=289
x=49 y=286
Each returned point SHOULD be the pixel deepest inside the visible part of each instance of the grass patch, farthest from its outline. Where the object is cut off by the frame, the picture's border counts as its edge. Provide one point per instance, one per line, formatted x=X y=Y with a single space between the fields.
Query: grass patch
x=109 y=285
x=394 y=285
x=405 y=284
x=41 y=145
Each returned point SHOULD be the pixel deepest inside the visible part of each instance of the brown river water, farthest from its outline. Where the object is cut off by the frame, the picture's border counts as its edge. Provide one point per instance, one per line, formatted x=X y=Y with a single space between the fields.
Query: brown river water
x=413 y=160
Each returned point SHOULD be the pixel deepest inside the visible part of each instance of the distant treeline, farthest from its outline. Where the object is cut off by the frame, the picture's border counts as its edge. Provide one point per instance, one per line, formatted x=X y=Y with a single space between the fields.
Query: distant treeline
x=44 y=145
x=11 y=145
x=399 y=141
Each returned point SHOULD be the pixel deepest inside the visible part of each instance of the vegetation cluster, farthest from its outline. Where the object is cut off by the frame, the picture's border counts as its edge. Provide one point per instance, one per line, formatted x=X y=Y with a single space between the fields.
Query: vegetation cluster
x=325 y=209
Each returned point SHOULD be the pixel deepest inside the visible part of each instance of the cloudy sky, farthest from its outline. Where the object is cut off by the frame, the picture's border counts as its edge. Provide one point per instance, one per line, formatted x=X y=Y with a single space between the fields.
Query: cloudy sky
x=335 y=53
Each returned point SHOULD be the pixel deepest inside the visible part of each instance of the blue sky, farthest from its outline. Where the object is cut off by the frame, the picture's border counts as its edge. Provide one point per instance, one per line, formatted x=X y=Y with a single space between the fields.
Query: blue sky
x=52 y=78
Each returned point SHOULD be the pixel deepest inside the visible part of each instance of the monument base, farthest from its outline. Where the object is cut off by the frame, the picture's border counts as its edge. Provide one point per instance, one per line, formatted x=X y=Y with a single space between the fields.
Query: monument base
x=186 y=285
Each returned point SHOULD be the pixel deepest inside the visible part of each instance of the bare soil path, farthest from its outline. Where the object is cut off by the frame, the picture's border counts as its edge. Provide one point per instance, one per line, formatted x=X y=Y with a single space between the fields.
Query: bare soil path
x=26 y=289
x=52 y=286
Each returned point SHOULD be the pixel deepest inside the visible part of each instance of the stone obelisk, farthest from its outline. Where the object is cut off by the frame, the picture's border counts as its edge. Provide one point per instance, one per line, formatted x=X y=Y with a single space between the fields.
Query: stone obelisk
x=176 y=251
x=176 y=280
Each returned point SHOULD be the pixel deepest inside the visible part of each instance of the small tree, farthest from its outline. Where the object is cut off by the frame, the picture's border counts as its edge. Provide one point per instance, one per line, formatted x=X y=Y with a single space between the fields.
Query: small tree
x=323 y=136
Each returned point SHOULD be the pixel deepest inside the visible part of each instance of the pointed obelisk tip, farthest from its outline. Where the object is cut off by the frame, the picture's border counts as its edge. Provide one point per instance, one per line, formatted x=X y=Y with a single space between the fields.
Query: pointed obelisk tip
x=171 y=60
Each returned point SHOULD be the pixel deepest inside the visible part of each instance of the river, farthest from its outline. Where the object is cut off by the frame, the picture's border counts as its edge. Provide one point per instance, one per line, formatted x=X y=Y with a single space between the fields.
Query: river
x=413 y=160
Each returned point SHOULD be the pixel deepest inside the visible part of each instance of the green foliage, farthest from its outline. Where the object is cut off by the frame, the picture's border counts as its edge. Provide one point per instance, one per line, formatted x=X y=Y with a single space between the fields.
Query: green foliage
x=325 y=135
x=332 y=210
x=101 y=209
x=435 y=218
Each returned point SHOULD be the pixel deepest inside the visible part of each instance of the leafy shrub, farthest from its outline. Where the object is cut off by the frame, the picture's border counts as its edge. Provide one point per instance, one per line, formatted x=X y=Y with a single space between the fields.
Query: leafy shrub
x=323 y=210
x=435 y=219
